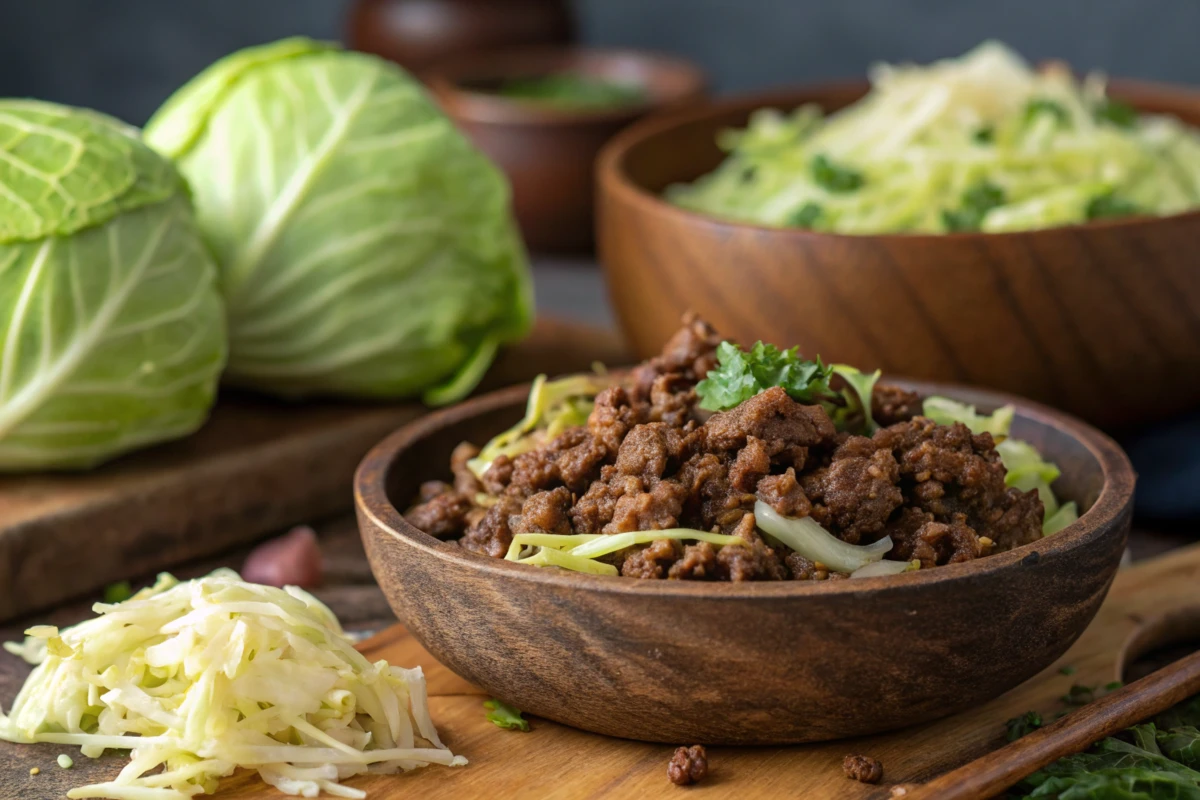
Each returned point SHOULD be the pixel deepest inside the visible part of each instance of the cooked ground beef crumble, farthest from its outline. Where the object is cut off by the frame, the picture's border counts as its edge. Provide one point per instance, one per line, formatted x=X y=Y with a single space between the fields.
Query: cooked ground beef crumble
x=650 y=459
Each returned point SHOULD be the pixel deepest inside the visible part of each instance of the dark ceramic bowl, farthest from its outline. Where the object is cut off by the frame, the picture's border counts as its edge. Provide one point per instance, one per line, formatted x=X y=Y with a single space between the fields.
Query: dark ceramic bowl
x=749 y=663
x=549 y=152
x=1101 y=320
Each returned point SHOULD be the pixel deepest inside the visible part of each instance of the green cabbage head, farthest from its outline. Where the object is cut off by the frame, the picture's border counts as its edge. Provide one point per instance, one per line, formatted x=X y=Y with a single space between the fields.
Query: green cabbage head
x=365 y=248
x=111 y=328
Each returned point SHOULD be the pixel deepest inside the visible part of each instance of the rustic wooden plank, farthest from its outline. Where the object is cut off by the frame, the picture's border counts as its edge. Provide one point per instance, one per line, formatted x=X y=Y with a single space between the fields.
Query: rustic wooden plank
x=258 y=464
x=556 y=761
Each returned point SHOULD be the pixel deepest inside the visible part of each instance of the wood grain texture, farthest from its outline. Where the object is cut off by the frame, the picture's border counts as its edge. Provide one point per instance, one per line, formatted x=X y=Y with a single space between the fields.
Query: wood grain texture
x=258 y=465
x=560 y=762
x=549 y=153
x=417 y=34
x=1101 y=320
x=749 y=663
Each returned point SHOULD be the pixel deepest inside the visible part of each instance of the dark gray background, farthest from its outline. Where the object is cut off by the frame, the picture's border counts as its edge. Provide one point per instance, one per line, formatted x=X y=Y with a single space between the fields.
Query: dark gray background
x=125 y=56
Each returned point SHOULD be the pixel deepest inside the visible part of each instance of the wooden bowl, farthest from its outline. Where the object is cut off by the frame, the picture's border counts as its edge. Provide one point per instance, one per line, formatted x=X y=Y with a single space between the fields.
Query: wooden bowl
x=549 y=153
x=1102 y=320
x=748 y=663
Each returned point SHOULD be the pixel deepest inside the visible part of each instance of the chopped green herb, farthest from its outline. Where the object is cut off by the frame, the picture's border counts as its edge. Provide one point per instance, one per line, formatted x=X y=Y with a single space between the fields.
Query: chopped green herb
x=505 y=716
x=1112 y=687
x=1042 y=105
x=805 y=216
x=835 y=177
x=740 y=375
x=984 y=135
x=1066 y=669
x=571 y=90
x=1023 y=725
x=1109 y=205
x=976 y=203
x=1114 y=112
x=1079 y=695
x=118 y=592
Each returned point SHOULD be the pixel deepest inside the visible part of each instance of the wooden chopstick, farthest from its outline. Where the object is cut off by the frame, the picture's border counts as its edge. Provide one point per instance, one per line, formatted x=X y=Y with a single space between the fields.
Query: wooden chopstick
x=990 y=775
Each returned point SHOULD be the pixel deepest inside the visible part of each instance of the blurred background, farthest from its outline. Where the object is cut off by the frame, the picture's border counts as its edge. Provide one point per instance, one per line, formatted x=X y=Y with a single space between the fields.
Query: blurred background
x=126 y=56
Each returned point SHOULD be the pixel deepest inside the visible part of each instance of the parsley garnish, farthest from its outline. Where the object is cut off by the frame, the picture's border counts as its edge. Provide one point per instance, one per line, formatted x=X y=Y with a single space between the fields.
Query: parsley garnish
x=984 y=135
x=1114 y=112
x=740 y=375
x=1066 y=669
x=1023 y=725
x=1110 y=205
x=505 y=716
x=976 y=203
x=1079 y=695
x=805 y=215
x=835 y=177
x=118 y=592
x=1041 y=105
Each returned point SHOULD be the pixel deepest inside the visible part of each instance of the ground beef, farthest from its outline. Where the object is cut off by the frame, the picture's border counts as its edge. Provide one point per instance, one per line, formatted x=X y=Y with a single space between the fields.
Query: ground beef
x=863 y=769
x=891 y=404
x=545 y=512
x=650 y=459
x=465 y=482
x=856 y=494
x=652 y=560
x=442 y=515
x=491 y=535
x=786 y=427
x=688 y=765
x=655 y=510
x=784 y=494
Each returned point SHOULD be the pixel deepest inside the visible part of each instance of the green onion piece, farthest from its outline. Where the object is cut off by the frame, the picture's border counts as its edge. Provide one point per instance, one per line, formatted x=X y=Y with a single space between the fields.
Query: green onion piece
x=549 y=557
x=602 y=545
x=833 y=177
x=809 y=539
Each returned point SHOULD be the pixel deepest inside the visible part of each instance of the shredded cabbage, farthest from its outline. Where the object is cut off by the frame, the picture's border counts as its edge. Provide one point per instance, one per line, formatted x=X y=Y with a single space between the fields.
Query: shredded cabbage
x=806 y=536
x=578 y=551
x=552 y=407
x=878 y=568
x=982 y=142
x=200 y=678
x=945 y=411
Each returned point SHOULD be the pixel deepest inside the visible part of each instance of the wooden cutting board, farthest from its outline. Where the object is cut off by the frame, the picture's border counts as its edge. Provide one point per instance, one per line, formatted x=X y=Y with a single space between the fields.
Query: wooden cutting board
x=555 y=761
x=258 y=465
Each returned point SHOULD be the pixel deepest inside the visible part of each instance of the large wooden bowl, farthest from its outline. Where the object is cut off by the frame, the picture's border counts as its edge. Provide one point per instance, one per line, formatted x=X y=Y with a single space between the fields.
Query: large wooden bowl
x=549 y=153
x=752 y=663
x=1102 y=320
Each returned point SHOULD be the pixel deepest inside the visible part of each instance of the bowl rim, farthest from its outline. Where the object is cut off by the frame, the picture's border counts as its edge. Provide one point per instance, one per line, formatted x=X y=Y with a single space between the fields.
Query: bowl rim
x=446 y=76
x=612 y=176
x=1114 y=501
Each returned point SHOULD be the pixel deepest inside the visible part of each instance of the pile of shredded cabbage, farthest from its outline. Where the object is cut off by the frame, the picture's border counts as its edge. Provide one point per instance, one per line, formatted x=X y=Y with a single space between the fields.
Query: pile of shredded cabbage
x=200 y=678
x=982 y=142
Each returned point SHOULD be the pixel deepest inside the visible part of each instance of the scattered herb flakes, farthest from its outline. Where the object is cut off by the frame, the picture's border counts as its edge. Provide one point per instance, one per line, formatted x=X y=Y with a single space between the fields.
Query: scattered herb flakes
x=977 y=201
x=1079 y=695
x=805 y=216
x=834 y=177
x=984 y=135
x=1066 y=669
x=505 y=716
x=1109 y=206
x=1114 y=112
x=1042 y=105
x=118 y=592
x=1023 y=725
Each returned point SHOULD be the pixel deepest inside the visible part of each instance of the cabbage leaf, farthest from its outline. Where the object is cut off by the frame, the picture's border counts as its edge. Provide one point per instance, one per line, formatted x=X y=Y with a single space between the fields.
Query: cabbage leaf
x=365 y=247
x=111 y=327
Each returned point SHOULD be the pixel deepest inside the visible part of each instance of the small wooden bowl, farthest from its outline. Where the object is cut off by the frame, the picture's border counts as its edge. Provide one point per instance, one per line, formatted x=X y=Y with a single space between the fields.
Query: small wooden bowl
x=549 y=153
x=1102 y=320
x=750 y=663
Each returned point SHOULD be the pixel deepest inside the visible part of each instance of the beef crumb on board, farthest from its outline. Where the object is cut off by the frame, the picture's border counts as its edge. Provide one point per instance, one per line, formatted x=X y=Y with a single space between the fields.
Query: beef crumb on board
x=863 y=769
x=688 y=765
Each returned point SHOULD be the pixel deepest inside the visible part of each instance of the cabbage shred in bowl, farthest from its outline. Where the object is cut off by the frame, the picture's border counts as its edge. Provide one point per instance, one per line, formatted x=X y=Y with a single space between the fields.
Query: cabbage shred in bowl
x=982 y=142
x=710 y=462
